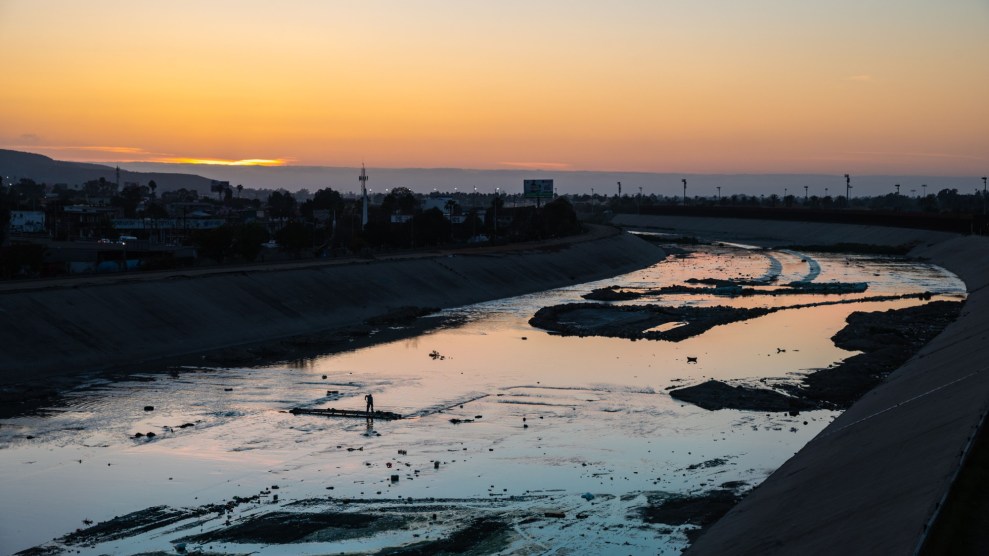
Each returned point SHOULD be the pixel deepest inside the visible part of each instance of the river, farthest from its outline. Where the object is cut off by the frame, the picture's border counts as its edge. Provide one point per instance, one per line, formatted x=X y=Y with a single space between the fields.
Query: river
x=561 y=441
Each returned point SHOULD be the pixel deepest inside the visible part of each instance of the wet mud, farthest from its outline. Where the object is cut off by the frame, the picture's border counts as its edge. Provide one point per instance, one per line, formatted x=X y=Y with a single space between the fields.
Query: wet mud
x=637 y=322
x=699 y=510
x=887 y=339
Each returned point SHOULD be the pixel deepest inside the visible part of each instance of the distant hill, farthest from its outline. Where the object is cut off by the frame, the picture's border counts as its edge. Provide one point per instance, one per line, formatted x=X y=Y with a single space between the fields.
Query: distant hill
x=15 y=165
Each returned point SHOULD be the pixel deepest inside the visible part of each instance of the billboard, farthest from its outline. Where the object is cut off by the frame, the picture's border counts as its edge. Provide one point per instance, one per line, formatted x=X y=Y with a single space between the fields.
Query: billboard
x=537 y=189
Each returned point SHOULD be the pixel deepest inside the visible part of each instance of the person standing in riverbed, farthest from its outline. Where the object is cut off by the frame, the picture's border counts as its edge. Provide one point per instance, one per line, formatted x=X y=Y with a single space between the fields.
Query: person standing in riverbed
x=370 y=403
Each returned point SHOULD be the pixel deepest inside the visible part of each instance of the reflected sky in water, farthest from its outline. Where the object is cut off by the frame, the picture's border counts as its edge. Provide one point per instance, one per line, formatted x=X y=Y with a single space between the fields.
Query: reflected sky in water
x=553 y=414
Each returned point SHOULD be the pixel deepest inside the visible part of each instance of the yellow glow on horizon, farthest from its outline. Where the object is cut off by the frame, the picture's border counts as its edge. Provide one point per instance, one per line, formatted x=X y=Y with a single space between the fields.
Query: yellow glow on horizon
x=216 y=162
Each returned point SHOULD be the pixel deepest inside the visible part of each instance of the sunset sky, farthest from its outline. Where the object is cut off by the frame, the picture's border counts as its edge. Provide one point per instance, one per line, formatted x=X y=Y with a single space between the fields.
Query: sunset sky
x=755 y=86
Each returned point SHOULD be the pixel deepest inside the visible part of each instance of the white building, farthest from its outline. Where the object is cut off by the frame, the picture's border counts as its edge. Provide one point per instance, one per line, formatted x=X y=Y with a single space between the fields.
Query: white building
x=27 y=221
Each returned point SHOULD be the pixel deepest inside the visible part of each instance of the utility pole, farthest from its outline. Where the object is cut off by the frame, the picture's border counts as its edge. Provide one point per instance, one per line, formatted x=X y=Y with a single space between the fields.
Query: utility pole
x=619 y=190
x=983 y=197
x=684 y=180
x=897 y=186
x=848 y=190
x=719 y=194
x=806 y=193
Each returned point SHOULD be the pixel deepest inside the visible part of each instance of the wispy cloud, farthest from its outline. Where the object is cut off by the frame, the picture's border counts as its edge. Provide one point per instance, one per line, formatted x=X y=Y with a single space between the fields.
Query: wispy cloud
x=537 y=165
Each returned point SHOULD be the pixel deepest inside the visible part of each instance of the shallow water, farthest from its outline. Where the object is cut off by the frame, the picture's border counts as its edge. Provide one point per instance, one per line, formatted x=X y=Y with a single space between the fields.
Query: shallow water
x=553 y=418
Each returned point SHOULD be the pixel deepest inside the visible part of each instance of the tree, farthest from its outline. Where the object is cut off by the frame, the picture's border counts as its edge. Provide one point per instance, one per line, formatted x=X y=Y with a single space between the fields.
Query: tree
x=431 y=227
x=215 y=244
x=28 y=194
x=323 y=199
x=559 y=218
x=128 y=199
x=153 y=187
x=294 y=237
x=281 y=204
x=401 y=200
x=248 y=239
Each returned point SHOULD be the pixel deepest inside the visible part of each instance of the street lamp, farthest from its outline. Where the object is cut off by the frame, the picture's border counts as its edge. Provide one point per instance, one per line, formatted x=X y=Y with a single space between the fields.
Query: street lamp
x=719 y=193
x=848 y=189
x=806 y=192
x=684 y=180
x=897 y=186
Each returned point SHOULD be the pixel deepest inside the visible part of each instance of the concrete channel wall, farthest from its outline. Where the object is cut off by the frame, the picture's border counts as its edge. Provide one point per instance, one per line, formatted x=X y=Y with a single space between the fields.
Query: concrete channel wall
x=59 y=327
x=873 y=480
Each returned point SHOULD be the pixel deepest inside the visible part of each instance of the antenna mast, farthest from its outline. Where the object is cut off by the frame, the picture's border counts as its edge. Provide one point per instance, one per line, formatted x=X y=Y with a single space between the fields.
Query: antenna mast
x=363 y=180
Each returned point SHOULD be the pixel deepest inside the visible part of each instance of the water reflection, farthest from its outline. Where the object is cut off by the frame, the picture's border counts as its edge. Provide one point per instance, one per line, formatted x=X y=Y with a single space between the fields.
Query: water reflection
x=535 y=412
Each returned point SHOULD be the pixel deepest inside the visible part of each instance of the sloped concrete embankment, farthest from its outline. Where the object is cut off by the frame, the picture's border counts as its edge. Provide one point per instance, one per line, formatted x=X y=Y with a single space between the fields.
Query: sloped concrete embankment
x=872 y=481
x=60 y=330
x=773 y=233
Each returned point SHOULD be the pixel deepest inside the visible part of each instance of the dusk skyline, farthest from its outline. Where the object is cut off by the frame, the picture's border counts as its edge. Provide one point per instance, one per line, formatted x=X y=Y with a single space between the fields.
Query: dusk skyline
x=718 y=87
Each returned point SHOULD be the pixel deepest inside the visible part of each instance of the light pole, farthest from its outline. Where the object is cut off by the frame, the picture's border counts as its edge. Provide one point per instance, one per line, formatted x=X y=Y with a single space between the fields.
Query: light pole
x=897 y=186
x=495 y=204
x=684 y=180
x=924 y=186
x=848 y=190
x=719 y=193
x=619 y=190
x=806 y=193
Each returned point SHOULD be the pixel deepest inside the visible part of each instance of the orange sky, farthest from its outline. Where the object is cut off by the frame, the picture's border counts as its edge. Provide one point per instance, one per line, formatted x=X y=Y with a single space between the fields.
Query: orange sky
x=889 y=86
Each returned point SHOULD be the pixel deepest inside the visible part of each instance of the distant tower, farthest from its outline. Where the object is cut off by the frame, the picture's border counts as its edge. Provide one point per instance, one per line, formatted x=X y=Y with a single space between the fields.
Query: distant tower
x=363 y=180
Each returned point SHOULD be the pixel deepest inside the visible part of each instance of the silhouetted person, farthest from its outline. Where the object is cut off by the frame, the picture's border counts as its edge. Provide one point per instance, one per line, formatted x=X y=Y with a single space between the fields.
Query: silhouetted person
x=370 y=403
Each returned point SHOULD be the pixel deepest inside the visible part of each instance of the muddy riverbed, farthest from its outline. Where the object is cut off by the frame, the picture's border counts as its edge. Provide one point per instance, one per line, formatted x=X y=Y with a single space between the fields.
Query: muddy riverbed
x=513 y=439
